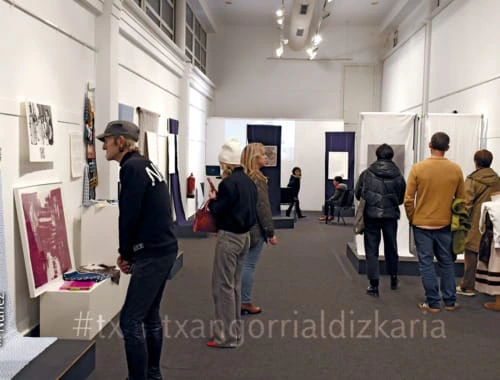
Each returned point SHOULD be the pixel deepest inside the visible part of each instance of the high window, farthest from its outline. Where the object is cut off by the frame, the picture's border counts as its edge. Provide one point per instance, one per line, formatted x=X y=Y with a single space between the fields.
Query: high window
x=196 y=41
x=162 y=12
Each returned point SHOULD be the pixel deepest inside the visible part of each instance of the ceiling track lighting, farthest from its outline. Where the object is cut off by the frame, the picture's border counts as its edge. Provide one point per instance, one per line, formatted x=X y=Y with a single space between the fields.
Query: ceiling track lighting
x=280 y=21
x=316 y=39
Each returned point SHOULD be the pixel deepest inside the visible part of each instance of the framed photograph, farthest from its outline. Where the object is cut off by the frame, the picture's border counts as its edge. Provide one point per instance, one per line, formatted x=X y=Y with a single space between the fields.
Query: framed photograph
x=272 y=155
x=40 y=132
x=44 y=237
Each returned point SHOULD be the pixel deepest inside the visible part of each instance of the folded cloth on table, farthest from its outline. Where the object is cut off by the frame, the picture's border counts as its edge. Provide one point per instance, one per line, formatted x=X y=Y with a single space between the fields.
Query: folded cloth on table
x=85 y=276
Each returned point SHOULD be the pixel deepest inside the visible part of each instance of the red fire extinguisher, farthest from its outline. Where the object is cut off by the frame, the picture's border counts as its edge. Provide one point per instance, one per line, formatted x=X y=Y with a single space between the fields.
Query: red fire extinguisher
x=190 y=186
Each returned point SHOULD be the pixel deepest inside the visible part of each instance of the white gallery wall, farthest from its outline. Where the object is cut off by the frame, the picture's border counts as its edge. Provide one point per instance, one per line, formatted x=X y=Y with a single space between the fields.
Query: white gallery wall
x=152 y=74
x=45 y=65
x=51 y=50
x=464 y=65
x=303 y=145
x=403 y=76
x=250 y=85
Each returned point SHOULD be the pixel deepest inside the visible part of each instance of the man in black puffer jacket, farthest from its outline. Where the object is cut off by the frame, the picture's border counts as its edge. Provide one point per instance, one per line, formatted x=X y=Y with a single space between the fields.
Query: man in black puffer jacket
x=383 y=187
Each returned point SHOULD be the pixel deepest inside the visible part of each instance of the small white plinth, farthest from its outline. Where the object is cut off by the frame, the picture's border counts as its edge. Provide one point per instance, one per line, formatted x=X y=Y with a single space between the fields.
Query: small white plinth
x=81 y=314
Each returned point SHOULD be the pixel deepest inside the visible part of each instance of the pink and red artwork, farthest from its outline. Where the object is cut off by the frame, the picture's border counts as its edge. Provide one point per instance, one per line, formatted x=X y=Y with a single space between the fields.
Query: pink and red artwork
x=43 y=230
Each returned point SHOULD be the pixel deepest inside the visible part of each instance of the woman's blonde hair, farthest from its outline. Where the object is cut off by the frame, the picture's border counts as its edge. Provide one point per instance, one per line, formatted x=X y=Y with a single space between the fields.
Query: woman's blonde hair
x=227 y=169
x=249 y=160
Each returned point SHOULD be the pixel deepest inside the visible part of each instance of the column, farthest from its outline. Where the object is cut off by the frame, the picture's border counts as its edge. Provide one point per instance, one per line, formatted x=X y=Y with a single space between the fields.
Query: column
x=106 y=96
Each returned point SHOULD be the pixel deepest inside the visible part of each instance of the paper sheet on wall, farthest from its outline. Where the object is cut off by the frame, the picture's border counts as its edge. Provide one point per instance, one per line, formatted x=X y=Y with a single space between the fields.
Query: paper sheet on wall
x=338 y=164
x=76 y=152
x=171 y=154
x=152 y=141
x=162 y=155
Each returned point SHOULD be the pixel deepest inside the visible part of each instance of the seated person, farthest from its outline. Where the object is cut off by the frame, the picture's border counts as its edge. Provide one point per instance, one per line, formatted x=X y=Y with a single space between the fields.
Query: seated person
x=335 y=199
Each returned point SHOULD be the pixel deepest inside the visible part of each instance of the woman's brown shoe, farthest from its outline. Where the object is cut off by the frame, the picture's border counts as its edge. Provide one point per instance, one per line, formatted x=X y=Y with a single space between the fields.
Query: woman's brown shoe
x=248 y=308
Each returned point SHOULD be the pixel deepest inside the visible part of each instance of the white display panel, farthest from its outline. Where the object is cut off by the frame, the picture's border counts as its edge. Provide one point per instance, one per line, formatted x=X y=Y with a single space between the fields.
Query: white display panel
x=395 y=129
x=465 y=131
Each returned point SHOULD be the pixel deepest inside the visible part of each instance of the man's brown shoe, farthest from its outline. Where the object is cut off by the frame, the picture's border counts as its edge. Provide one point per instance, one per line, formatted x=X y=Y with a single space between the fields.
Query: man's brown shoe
x=424 y=307
x=455 y=306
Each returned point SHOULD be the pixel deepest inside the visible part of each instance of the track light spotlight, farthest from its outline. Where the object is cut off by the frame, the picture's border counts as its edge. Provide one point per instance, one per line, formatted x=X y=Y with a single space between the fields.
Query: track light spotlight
x=279 y=51
x=316 y=40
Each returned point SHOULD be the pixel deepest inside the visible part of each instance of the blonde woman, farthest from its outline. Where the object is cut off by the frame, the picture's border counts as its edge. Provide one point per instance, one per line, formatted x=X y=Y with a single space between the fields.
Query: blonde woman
x=253 y=158
x=234 y=209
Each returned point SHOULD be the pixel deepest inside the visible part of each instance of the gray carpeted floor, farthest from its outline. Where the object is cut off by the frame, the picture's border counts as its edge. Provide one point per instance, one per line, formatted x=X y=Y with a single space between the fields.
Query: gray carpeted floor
x=317 y=323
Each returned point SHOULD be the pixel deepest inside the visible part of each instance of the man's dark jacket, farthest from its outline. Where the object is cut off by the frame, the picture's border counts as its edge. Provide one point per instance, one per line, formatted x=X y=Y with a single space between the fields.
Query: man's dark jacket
x=145 y=223
x=383 y=187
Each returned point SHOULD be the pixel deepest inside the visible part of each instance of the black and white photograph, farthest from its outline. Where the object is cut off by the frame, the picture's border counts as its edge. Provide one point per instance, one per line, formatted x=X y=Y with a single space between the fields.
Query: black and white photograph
x=40 y=131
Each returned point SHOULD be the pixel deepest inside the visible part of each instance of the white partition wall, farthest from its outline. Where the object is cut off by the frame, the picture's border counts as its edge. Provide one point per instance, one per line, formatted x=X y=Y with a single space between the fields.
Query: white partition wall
x=465 y=131
x=397 y=130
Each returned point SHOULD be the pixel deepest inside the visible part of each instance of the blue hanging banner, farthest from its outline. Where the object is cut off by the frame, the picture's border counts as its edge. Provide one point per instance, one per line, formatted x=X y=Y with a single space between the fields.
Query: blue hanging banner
x=269 y=136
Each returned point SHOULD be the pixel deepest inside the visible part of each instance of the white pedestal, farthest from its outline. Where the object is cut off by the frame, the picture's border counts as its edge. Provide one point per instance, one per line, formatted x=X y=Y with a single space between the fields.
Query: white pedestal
x=81 y=314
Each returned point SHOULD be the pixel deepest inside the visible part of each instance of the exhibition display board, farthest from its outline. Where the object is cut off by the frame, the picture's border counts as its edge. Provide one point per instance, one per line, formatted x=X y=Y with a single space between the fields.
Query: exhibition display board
x=397 y=130
x=466 y=137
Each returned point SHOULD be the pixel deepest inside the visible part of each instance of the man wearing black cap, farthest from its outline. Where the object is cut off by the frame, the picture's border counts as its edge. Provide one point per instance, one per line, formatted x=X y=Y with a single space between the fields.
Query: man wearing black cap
x=148 y=247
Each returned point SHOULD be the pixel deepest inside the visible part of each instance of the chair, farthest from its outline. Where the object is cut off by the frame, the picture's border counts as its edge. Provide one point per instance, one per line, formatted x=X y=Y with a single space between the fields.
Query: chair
x=345 y=206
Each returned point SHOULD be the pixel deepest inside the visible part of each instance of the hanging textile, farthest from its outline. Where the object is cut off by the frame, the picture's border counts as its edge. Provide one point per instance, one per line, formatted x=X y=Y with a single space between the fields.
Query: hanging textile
x=89 y=138
x=148 y=122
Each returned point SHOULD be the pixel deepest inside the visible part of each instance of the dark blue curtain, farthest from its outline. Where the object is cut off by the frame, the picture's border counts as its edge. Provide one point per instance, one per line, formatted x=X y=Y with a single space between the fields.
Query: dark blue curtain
x=339 y=142
x=269 y=135
x=175 y=188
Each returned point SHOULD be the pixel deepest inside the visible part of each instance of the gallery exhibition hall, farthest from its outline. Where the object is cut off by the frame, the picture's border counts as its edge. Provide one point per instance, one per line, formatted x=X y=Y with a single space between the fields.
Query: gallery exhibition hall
x=90 y=88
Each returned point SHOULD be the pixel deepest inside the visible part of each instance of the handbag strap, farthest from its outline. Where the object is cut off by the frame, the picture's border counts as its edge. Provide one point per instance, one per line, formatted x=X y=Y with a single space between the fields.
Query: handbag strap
x=212 y=186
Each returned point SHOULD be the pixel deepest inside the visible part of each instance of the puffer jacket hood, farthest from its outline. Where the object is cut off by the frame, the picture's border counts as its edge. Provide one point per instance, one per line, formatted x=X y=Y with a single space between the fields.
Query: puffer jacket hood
x=386 y=169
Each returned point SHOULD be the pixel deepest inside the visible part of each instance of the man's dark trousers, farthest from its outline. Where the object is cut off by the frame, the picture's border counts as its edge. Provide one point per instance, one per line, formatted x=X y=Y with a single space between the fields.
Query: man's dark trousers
x=372 y=236
x=142 y=308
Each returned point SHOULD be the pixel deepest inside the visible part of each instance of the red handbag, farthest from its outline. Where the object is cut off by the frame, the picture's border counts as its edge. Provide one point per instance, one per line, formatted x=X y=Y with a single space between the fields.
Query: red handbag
x=204 y=221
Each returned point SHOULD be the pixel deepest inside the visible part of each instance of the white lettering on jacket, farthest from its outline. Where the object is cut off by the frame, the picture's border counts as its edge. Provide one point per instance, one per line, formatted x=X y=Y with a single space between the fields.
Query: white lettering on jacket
x=153 y=172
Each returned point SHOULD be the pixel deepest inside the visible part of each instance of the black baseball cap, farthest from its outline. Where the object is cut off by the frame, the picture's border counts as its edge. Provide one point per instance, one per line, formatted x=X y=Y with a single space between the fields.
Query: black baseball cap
x=120 y=128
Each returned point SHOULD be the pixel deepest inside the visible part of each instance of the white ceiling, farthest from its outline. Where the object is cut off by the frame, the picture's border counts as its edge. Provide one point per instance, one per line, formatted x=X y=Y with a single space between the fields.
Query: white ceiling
x=262 y=12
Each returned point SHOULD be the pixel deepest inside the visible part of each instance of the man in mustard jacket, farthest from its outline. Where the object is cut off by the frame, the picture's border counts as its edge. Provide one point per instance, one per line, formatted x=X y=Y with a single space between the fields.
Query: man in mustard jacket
x=432 y=186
